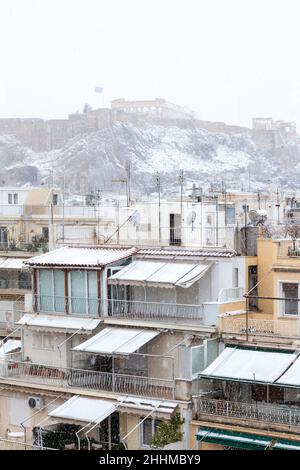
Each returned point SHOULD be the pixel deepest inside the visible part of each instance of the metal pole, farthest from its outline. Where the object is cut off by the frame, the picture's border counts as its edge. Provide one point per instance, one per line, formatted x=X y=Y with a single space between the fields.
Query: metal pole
x=159 y=213
x=63 y=224
x=217 y=221
x=181 y=195
x=245 y=215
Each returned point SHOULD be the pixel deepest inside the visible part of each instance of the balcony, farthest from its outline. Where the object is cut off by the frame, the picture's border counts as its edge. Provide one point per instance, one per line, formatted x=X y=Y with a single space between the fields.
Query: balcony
x=265 y=413
x=10 y=313
x=289 y=248
x=155 y=311
x=67 y=305
x=87 y=379
x=15 y=284
x=261 y=327
x=231 y=295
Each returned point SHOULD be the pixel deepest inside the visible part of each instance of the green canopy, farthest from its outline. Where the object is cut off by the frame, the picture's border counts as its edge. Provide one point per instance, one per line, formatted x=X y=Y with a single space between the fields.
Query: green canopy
x=233 y=439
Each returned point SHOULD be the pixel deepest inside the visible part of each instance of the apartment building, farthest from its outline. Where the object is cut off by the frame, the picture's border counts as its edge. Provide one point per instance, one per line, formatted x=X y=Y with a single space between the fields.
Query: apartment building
x=113 y=341
x=248 y=398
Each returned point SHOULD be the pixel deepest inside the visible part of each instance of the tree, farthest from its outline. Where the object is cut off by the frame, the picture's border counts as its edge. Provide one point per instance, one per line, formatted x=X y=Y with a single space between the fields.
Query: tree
x=168 y=432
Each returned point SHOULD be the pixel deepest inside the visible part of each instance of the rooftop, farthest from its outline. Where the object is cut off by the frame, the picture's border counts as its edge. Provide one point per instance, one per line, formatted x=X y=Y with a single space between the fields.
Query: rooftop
x=81 y=257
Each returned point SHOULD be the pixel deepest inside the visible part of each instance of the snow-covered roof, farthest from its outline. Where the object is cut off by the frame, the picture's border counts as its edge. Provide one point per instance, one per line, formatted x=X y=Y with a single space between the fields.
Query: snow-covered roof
x=186 y=253
x=160 y=274
x=59 y=322
x=249 y=364
x=13 y=263
x=113 y=340
x=88 y=410
x=81 y=257
x=10 y=346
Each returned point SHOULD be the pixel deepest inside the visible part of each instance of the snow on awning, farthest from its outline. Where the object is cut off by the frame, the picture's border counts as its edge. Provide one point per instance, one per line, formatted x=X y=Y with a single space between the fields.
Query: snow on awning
x=144 y=404
x=13 y=263
x=88 y=410
x=64 y=322
x=81 y=257
x=158 y=274
x=121 y=341
x=249 y=365
x=11 y=345
x=292 y=376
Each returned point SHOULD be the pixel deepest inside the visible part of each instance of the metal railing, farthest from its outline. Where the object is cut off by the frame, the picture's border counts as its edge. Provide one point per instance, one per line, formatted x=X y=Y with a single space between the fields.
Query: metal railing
x=10 y=444
x=93 y=380
x=15 y=284
x=262 y=327
x=279 y=414
x=71 y=305
x=231 y=294
x=154 y=310
x=118 y=308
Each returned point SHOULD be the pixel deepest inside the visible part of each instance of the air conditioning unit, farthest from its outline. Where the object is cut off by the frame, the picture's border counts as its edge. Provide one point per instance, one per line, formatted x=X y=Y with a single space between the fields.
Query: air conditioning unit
x=35 y=403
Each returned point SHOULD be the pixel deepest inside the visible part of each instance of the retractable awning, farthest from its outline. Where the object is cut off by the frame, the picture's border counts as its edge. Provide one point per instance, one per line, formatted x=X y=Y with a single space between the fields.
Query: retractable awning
x=88 y=410
x=58 y=322
x=249 y=365
x=145 y=404
x=292 y=376
x=120 y=341
x=158 y=274
x=233 y=439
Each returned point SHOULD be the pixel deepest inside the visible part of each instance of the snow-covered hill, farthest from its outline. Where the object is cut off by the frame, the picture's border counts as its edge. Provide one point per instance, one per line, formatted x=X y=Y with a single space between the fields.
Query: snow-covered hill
x=94 y=160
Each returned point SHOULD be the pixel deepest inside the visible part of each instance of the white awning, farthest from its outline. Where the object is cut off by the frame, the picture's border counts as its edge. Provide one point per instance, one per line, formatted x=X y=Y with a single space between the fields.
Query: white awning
x=88 y=410
x=121 y=341
x=139 y=403
x=13 y=263
x=64 y=322
x=158 y=274
x=292 y=376
x=11 y=345
x=249 y=365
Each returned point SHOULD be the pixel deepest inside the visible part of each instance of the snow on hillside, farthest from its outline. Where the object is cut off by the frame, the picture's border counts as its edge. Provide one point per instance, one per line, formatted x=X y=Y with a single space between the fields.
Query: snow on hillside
x=96 y=158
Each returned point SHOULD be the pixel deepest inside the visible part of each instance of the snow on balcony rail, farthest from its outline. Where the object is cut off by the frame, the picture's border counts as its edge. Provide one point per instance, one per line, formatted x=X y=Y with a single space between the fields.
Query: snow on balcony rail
x=279 y=414
x=89 y=379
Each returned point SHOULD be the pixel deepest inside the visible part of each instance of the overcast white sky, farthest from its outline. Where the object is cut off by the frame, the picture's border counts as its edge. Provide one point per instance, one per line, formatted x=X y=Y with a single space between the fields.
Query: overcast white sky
x=227 y=59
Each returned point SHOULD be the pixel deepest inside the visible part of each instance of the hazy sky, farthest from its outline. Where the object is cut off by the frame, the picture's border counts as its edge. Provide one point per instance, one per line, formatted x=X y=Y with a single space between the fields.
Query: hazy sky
x=227 y=59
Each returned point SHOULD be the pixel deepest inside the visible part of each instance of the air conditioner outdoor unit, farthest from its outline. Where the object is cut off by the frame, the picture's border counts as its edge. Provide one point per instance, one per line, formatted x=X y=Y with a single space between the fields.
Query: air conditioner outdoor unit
x=35 y=402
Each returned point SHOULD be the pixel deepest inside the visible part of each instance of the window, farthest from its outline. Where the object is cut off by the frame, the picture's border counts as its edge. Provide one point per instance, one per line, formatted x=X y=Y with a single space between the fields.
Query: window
x=42 y=341
x=235 y=280
x=84 y=292
x=148 y=429
x=191 y=361
x=289 y=292
x=52 y=290
x=13 y=198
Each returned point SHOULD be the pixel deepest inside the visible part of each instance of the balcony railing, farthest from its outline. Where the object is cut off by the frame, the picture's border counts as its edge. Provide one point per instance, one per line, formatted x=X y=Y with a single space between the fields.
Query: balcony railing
x=231 y=294
x=71 y=305
x=16 y=284
x=262 y=327
x=119 y=308
x=154 y=310
x=289 y=248
x=93 y=380
x=279 y=414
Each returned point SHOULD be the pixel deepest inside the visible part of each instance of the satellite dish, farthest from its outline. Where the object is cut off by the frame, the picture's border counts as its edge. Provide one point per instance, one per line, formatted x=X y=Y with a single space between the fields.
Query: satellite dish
x=257 y=216
x=191 y=218
x=135 y=219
